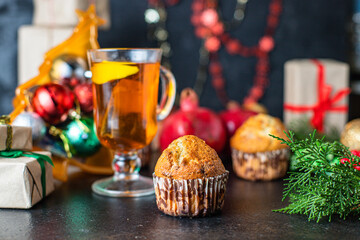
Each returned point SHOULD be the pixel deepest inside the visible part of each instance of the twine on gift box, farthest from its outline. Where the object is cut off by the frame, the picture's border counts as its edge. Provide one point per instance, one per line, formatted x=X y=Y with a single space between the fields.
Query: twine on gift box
x=5 y=120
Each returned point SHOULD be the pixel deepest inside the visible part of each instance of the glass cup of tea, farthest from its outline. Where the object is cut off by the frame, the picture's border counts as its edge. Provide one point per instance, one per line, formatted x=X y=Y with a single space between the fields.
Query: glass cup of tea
x=126 y=110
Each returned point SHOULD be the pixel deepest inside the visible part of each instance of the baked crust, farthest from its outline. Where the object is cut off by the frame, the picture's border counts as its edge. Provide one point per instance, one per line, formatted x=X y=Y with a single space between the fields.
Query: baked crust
x=189 y=157
x=253 y=135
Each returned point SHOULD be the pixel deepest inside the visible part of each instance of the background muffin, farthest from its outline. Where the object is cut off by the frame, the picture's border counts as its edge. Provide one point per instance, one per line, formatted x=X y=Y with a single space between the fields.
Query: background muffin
x=256 y=155
x=189 y=179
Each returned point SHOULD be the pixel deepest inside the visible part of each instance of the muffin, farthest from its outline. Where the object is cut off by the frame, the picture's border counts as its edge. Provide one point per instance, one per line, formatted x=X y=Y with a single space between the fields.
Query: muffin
x=256 y=155
x=189 y=179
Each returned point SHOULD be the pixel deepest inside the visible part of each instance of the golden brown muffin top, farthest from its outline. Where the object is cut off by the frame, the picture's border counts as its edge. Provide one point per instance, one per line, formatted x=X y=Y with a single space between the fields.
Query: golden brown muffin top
x=189 y=157
x=253 y=135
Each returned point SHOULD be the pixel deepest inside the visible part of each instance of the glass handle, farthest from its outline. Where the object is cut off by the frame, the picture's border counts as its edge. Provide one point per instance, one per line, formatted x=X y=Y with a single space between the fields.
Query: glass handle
x=168 y=85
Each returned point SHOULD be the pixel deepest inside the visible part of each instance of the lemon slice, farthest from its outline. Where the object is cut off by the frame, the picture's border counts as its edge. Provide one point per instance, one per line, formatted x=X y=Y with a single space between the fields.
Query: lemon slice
x=105 y=71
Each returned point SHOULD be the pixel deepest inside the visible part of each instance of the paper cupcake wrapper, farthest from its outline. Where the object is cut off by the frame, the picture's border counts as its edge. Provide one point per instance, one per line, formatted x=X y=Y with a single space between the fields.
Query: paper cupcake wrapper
x=264 y=166
x=190 y=198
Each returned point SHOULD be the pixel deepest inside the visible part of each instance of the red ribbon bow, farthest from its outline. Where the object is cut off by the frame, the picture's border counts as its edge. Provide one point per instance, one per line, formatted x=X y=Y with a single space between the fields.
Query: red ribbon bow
x=325 y=102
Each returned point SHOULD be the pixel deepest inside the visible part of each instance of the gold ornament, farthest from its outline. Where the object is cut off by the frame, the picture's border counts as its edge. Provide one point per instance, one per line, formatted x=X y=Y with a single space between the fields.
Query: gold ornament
x=350 y=136
x=68 y=67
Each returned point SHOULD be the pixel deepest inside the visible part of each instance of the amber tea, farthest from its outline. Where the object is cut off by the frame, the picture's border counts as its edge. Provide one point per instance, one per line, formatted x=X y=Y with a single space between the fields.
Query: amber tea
x=126 y=100
x=125 y=87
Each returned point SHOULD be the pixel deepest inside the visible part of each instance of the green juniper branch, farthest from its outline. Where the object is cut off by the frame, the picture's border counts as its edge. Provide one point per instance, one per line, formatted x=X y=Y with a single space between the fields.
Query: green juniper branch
x=322 y=187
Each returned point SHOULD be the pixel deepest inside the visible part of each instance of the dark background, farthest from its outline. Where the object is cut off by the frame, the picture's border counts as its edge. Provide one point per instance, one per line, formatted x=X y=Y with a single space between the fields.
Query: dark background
x=308 y=29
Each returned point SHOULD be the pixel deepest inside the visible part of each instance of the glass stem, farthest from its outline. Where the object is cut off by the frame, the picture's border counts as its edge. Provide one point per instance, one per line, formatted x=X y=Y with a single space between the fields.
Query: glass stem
x=126 y=164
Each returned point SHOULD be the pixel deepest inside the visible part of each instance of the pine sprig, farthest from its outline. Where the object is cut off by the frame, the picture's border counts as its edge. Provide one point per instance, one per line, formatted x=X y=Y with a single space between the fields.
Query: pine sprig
x=323 y=186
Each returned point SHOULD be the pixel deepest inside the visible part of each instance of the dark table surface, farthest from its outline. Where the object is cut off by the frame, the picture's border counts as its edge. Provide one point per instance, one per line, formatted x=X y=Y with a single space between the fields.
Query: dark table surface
x=73 y=211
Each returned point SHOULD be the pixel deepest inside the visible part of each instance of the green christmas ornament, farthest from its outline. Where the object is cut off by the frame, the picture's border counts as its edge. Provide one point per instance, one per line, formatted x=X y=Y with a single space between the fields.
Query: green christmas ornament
x=81 y=137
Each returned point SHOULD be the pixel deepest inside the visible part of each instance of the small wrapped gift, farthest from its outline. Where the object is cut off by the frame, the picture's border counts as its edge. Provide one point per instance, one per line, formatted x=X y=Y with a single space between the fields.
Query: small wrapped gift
x=25 y=178
x=316 y=89
x=14 y=137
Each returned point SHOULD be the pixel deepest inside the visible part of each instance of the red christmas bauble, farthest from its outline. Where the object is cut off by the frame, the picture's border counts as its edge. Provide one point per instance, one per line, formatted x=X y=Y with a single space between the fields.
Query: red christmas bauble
x=196 y=20
x=218 y=28
x=71 y=82
x=197 y=6
x=53 y=102
x=209 y=17
x=83 y=93
x=215 y=68
x=233 y=46
x=202 y=32
x=266 y=43
x=218 y=82
x=212 y=44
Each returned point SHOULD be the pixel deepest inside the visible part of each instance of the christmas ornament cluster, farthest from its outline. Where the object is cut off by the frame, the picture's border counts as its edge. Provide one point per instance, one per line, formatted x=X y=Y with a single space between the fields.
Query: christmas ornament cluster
x=60 y=112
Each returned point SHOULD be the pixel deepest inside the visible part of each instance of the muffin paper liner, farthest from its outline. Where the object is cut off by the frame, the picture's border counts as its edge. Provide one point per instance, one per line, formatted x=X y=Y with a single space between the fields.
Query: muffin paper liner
x=264 y=166
x=190 y=198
